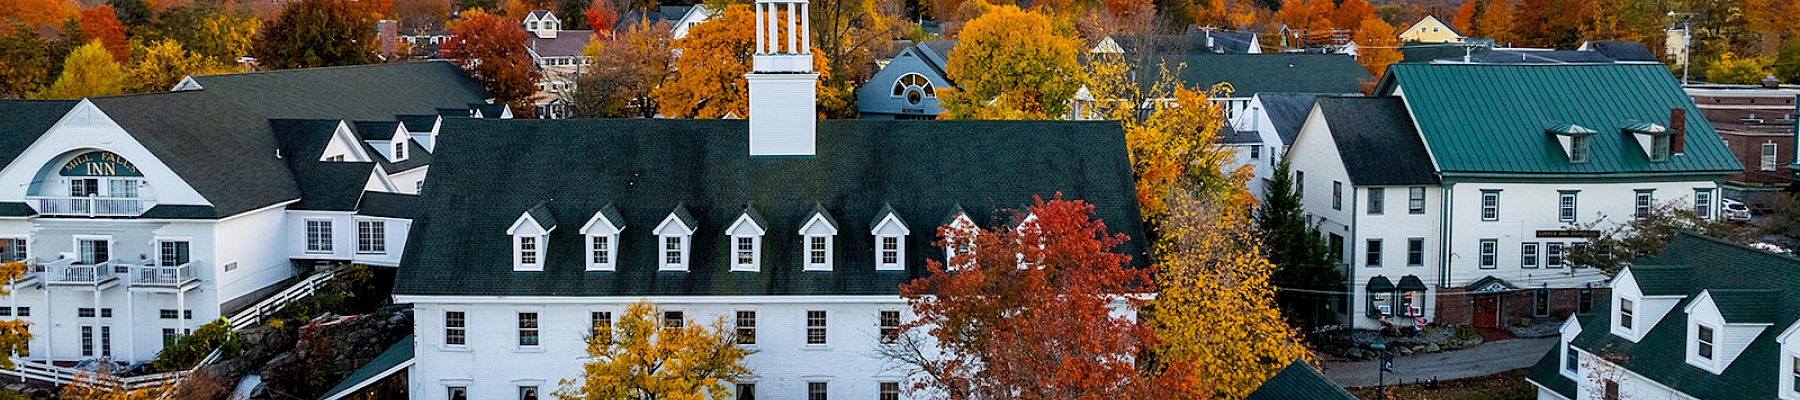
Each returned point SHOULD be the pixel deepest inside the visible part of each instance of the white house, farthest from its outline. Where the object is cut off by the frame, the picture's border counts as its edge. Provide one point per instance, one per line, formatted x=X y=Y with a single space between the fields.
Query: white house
x=1704 y=319
x=1274 y=119
x=1526 y=157
x=797 y=232
x=143 y=216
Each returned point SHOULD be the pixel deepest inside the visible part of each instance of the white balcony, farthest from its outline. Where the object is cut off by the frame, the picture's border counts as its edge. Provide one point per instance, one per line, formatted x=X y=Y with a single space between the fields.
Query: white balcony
x=90 y=206
x=67 y=272
x=162 y=277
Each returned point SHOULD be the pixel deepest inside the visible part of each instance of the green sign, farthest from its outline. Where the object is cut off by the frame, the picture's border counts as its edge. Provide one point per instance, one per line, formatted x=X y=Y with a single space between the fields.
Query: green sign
x=100 y=163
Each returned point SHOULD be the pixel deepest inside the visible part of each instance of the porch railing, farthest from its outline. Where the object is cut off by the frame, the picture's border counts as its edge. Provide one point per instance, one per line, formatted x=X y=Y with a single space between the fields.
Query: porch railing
x=91 y=206
x=160 y=275
x=67 y=271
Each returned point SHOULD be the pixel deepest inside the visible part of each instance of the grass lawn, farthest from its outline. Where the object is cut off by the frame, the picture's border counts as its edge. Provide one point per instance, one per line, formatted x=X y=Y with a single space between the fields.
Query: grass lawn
x=1509 y=385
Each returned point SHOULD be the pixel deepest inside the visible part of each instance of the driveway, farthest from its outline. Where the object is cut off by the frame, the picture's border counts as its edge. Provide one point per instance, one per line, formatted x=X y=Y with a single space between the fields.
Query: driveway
x=1486 y=359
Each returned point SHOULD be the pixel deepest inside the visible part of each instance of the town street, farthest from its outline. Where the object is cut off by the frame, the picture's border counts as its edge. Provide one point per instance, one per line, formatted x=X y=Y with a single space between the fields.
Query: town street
x=1486 y=359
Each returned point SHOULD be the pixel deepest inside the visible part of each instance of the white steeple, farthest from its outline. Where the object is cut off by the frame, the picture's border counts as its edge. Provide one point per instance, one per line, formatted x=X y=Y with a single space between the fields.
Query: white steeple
x=783 y=86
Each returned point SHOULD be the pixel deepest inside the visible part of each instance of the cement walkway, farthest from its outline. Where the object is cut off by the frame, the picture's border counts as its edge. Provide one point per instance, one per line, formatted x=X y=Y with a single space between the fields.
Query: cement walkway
x=1483 y=360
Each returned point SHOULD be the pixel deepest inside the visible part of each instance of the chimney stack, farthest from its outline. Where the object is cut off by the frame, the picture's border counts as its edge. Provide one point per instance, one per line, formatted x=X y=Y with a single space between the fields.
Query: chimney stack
x=784 y=108
x=1678 y=125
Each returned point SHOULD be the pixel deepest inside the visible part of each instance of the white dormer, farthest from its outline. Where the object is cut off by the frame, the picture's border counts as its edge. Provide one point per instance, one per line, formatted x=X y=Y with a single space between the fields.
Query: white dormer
x=1634 y=312
x=542 y=24
x=1714 y=338
x=529 y=236
x=1790 y=358
x=954 y=243
x=399 y=150
x=890 y=240
x=1569 y=358
x=602 y=233
x=817 y=234
x=675 y=239
x=1654 y=139
x=1576 y=141
x=344 y=146
x=746 y=237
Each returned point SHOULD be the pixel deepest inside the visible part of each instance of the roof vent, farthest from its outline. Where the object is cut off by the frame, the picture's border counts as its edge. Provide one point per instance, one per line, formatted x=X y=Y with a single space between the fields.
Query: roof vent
x=1770 y=82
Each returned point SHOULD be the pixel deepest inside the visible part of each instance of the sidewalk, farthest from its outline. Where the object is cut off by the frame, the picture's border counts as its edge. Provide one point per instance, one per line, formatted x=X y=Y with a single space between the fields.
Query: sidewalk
x=1486 y=359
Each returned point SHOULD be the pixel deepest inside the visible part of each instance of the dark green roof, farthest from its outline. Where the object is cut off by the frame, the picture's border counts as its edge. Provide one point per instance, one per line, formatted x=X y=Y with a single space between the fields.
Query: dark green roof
x=1411 y=283
x=382 y=366
x=1491 y=119
x=375 y=130
x=645 y=167
x=325 y=185
x=1547 y=372
x=417 y=122
x=1299 y=381
x=1662 y=280
x=1380 y=284
x=542 y=215
x=16 y=209
x=1376 y=141
x=176 y=211
x=25 y=121
x=219 y=138
x=1716 y=265
x=749 y=211
x=1250 y=74
x=886 y=210
x=388 y=205
x=1747 y=306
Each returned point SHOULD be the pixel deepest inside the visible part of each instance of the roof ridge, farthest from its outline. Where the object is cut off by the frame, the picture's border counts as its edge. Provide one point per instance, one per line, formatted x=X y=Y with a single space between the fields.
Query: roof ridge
x=1784 y=257
x=313 y=69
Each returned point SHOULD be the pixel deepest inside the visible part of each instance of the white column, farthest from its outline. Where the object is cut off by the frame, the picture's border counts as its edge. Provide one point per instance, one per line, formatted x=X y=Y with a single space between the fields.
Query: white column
x=181 y=323
x=130 y=327
x=792 y=19
x=805 y=30
x=760 y=46
x=774 y=40
x=49 y=347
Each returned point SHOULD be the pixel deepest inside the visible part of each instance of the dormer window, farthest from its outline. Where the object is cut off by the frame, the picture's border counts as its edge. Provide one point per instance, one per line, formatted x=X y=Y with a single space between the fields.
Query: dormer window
x=957 y=246
x=602 y=233
x=1574 y=140
x=890 y=240
x=1656 y=140
x=529 y=234
x=1704 y=343
x=1580 y=149
x=746 y=234
x=675 y=234
x=1625 y=314
x=818 y=232
x=400 y=150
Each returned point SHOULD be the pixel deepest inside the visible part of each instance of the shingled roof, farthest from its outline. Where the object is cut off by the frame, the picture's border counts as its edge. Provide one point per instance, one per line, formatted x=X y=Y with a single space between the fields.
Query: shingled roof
x=644 y=168
x=1250 y=74
x=1720 y=267
x=25 y=121
x=1376 y=140
x=1287 y=112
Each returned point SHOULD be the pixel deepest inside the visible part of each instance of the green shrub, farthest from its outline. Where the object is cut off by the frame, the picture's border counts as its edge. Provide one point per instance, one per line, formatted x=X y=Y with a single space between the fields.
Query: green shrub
x=190 y=349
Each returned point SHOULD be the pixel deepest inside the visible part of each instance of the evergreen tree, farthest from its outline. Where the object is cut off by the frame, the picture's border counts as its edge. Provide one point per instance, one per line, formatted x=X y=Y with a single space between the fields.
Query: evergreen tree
x=1300 y=257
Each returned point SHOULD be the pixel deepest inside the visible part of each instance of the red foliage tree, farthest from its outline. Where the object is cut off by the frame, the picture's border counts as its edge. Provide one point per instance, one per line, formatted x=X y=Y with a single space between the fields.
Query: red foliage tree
x=1037 y=309
x=601 y=18
x=492 y=49
x=101 y=24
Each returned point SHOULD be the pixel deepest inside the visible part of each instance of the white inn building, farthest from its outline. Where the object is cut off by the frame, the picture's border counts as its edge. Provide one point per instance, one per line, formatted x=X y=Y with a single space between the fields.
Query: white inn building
x=144 y=216
x=1454 y=195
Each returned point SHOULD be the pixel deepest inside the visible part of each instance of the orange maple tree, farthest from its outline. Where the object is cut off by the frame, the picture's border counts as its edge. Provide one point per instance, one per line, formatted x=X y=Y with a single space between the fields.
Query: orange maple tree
x=709 y=75
x=1048 y=280
x=601 y=18
x=1351 y=13
x=101 y=24
x=491 y=49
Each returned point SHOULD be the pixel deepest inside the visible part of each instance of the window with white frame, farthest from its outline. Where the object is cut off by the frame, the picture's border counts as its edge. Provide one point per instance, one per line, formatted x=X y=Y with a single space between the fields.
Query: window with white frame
x=1377 y=200
x=527 y=249
x=890 y=242
x=1704 y=342
x=13 y=249
x=889 y=252
x=173 y=253
x=816 y=242
x=746 y=327
x=889 y=391
x=1626 y=314
x=318 y=236
x=1528 y=255
x=744 y=239
x=1415 y=200
x=1703 y=203
x=1337 y=195
x=1579 y=149
x=673 y=319
x=1571 y=358
x=456 y=328
x=400 y=150
x=674 y=252
x=599 y=320
x=1768 y=157
x=371 y=237
x=528 y=329
x=675 y=238
x=815 y=327
x=890 y=325
x=1641 y=207
x=602 y=236
x=1490 y=249
x=600 y=251
x=744 y=248
x=1565 y=206
x=818 y=391
x=1490 y=205
x=818 y=252
x=1553 y=254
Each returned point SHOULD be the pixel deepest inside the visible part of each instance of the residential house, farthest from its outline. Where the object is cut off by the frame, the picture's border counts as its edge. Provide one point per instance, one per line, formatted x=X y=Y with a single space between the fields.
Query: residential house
x=1199 y=41
x=1757 y=123
x=680 y=18
x=557 y=54
x=906 y=88
x=233 y=183
x=1704 y=319
x=1430 y=30
x=1370 y=189
x=798 y=232
x=1250 y=74
x=1275 y=120
x=1559 y=152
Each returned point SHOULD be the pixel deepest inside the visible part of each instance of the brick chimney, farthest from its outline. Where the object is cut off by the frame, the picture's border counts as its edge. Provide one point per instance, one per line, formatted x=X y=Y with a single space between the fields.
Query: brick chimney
x=1678 y=125
x=387 y=32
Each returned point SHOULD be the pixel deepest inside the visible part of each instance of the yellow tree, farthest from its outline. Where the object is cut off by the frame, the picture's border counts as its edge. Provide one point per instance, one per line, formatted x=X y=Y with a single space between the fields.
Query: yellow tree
x=709 y=75
x=163 y=64
x=1174 y=145
x=1377 y=46
x=89 y=71
x=1215 y=309
x=640 y=358
x=1012 y=64
x=13 y=333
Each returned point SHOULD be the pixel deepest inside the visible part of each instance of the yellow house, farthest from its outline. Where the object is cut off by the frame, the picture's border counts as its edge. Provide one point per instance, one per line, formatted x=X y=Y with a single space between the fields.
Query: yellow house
x=1430 y=30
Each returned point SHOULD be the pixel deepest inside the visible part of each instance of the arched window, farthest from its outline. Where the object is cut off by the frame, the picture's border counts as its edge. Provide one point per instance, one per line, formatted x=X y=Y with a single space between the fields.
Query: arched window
x=914 y=88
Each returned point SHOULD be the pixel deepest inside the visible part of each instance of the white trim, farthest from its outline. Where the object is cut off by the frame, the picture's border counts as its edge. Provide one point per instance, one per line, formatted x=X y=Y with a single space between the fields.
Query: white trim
x=612 y=252
x=306 y=235
x=806 y=250
x=899 y=263
x=538 y=252
x=599 y=218
x=687 y=252
x=526 y=216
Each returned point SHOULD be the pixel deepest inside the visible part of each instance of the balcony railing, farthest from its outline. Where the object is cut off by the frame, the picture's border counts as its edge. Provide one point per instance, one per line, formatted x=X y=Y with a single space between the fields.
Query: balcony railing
x=66 y=271
x=91 y=206
x=151 y=275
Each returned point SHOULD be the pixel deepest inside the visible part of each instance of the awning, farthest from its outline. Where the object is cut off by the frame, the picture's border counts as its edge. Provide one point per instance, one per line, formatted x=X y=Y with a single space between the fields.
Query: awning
x=1411 y=283
x=1380 y=284
x=1490 y=284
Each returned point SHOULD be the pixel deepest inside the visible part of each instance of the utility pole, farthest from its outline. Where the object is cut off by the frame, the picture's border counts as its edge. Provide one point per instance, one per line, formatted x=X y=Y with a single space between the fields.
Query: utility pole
x=1687 y=42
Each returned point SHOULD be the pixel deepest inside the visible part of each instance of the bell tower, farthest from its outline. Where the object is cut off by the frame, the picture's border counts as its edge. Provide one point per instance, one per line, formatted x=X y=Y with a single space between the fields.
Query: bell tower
x=783 y=86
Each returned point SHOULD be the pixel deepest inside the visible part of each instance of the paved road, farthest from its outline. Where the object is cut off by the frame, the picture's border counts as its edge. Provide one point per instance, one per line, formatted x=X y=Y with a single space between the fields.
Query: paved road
x=1486 y=359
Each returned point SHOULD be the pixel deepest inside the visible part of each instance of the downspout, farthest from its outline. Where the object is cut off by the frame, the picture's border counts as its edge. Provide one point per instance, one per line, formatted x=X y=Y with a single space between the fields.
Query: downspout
x=1445 y=230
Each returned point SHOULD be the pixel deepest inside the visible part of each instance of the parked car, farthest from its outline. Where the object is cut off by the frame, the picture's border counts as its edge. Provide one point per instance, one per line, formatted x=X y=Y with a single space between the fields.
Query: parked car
x=1734 y=210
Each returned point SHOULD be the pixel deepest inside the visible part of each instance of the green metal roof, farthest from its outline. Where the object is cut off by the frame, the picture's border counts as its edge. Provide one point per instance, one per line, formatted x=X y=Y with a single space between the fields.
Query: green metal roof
x=1492 y=119
x=389 y=362
x=1299 y=381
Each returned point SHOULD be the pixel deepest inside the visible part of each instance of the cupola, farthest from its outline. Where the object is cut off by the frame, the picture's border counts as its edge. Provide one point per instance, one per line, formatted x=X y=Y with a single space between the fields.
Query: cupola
x=783 y=86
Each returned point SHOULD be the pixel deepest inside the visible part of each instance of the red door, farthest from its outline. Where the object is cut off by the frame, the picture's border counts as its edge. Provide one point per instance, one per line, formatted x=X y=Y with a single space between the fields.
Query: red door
x=1487 y=311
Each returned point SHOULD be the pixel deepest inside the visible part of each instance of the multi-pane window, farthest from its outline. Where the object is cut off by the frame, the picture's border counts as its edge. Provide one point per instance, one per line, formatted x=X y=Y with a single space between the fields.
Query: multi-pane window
x=890 y=325
x=1768 y=157
x=673 y=320
x=1490 y=205
x=456 y=328
x=1565 y=207
x=1553 y=255
x=84 y=312
x=105 y=341
x=890 y=391
x=173 y=253
x=528 y=393
x=746 y=391
x=817 y=250
x=459 y=393
x=672 y=250
x=318 y=236
x=602 y=249
x=815 y=327
x=746 y=251
x=528 y=250
x=1528 y=255
x=1795 y=375
x=1571 y=359
x=1415 y=200
x=1415 y=252
x=1490 y=249
x=1641 y=207
x=1659 y=148
x=1625 y=314
x=371 y=237
x=1703 y=203
x=1579 y=149
x=168 y=313
x=87 y=341
x=106 y=313
x=12 y=249
x=94 y=251
x=1337 y=195
x=1372 y=255
x=746 y=327
x=400 y=150
x=1255 y=152
x=817 y=391
x=528 y=329
x=890 y=250
x=600 y=319
x=170 y=336
x=1703 y=341
x=1377 y=200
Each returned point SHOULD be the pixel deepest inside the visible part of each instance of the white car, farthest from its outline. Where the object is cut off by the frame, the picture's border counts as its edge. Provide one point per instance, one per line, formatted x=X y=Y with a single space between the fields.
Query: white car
x=1734 y=210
